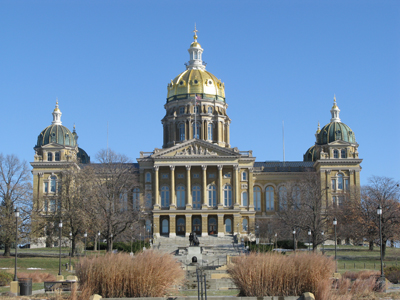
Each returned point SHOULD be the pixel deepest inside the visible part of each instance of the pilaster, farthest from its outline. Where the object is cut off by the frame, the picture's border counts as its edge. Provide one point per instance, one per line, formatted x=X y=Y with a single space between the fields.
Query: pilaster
x=204 y=225
x=221 y=226
x=236 y=189
x=251 y=183
x=156 y=225
x=188 y=219
x=236 y=224
x=156 y=188
x=220 y=190
x=189 y=189
x=173 y=198
x=172 y=226
x=204 y=194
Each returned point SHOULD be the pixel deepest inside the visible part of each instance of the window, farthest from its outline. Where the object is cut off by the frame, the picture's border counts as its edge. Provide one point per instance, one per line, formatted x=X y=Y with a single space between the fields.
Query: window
x=181 y=176
x=181 y=129
x=228 y=226
x=296 y=197
x=147 y=198
x=46 y=187
x=165 y=196
x=245 y=224
x=46 y=207
x=164 y=176
x=53 y=184
x=340 y=181
x=282 y=198
x=196 y=175
x=210 y=110
x=227 y=175
x=210 y=132
x=181 y=110
x=211 y=175
x=335 y=153
x=136 y=197
x=212 y=195
x=227 y=195
x=257 y=198
x=123 y=201
x=148 y=226
x=244 y=199
x=148 y=177
x=269 y=198
x=337 y=201
x=57 y=156
x=333 y=184
x=343 y=153
x=244 y=176
x=196 y=197
x=196 y=109
x=347 y=184
x=180 y=195
x=59 y=205
x=52 y=205
x=49 y=156
x=196 y=130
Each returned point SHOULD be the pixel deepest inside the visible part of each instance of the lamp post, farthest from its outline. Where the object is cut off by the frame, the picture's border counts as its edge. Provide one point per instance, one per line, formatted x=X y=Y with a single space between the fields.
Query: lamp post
x=98 y=238
x=111 y=242
x=276 y=240
x=59 y=260
x=294 y=239
x=323 y=242
x=70 y=250
x=334 y=225
x=258 y=234
x=85 y=236
x=309 y=239
x=379 y=212
x=16 y=212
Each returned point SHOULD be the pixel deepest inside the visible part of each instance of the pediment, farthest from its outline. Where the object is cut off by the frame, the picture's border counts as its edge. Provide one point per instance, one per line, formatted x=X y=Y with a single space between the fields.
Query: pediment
x=340 y=143
x=195 y=148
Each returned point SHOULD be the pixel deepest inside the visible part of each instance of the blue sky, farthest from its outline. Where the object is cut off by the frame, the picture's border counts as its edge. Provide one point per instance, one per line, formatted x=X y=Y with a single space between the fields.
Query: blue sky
x=110 y=62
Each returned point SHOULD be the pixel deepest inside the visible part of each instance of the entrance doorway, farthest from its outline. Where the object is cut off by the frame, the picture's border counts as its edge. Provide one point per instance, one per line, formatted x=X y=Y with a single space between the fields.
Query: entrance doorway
x=165 y=226
x=196 y=225
x=212 y=225
x=228 y=226
x=180 y=226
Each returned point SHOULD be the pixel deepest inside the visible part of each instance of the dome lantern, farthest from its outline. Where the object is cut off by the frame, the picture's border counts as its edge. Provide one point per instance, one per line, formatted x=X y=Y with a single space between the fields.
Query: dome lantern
x=56 y=115
x=195 y=52
x=335 y=111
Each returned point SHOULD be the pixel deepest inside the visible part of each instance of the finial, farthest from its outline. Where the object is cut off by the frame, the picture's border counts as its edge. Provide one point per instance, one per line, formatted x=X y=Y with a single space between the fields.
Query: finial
x=74 y=127
x=56 y=109
x=195 y=33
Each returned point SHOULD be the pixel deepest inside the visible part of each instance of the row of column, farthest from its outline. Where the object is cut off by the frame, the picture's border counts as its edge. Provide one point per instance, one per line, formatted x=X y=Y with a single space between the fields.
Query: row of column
x=235 y=184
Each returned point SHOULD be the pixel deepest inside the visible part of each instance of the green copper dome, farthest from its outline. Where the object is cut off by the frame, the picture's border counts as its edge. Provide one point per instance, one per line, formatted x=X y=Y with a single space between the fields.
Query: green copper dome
x=310 y=154
x=335 y=131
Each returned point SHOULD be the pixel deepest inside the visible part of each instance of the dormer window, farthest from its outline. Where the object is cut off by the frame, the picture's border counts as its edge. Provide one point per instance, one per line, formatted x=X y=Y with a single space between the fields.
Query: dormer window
x=335 y=153
x=210 y=110
x=49 y=156
x=343 y=153
x=148 y=177
x=57 y=156
x=181 y=110
x=244 y=176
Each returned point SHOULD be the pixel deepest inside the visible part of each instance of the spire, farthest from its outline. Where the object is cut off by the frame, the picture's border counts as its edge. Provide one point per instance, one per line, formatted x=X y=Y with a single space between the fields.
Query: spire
x=317 y=132
x=195 y=52
x=335 y=111
x=56 y=115
x=75 y=135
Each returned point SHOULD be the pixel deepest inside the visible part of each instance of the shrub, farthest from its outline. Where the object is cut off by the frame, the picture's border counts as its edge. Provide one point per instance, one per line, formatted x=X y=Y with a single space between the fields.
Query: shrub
x=392 y=274
x=271 y=274
x=148 y=274
x=5 y=278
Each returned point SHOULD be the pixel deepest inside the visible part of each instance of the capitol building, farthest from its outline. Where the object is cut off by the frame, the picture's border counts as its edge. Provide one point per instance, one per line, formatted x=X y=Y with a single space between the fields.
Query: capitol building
x=197 y=182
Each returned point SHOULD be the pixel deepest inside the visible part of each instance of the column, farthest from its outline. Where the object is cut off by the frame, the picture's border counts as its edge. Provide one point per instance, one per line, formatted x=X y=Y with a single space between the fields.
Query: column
x=156 y=188
x=188 y=228
x=236 y=188
x=220 y=190
x=172 y=226
x=251 y=183
x=252 y=224
x=188 y=189
x=204 y=225
x=236 y=220
x=221 y=225
x=205 y=204
x=156 y=226
x=173 y=198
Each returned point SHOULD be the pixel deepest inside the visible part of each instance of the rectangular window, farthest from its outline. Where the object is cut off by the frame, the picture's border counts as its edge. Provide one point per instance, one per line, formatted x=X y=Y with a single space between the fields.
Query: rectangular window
x=211 y=175
x=164 y=176
x=334 y=201
x=347 y=182
x=46 y=187
x=333 y=184
x=46 y=203
x=57 y=156
x=181 y=110
x=181 y=176
x=52 y=205
x=227 y=175
x=196 y=175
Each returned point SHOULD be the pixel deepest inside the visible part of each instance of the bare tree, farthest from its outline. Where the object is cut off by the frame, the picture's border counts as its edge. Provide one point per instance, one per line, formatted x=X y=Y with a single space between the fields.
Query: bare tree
x=303 y=206
x=114 y=179
x=15 y=191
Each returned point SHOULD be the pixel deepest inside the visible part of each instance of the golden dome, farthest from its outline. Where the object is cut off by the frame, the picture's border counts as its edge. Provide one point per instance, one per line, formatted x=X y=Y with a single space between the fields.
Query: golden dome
x=195 y=45
x=196 y=81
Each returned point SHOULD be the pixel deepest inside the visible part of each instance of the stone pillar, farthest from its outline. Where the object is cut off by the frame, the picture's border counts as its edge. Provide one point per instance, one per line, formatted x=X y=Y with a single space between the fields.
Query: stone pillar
x=204 y=225
x=220 y=189
x=156 y=225
x=188 y=189
x=205 y=204
x=251 y=183
x=156 y=188
x=236 y=188
x=236 y=221
x=188 y=227
x=221 y=225
x=173 y=198
x=252 y=224
x=172 y=226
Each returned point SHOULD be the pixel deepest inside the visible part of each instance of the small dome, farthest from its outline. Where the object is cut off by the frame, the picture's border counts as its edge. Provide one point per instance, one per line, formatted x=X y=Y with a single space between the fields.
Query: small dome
x=310 y=154
x=83 y=157
x=58 y=134
x=335 y=131
x=195 y=45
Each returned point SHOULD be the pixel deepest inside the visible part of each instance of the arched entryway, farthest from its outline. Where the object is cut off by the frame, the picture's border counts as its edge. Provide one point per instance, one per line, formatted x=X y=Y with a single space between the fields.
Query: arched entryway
x=165 y=226
x=196 y=225
x=180 y=226
x=212 y=225
x=228 y=226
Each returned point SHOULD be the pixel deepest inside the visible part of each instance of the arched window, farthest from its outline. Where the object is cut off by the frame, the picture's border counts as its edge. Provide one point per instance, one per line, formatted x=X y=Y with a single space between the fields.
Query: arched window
x=57 y=156
x=257 y=198
x=296 y=197
x=46 y=186
x=196 y=197
x=210 y=131
x=46 y=205
x=269 y=198
x=244 y=199
x=212 y=195
x=196 y=130
x=335 y=153
x=181 y=110
x=340 y=181
x=245 y=224
x=210 y=110
x=227 y=195
x=123 y=201
x=148 y=177
x=49 y=156
x=282 y=198
x=182 y=132
x=52 y=205
x=244 y=176
x=147 y=199
x=135 y=197
x=180 y=195
x=165 y=226
x=343 y=153
x=53 y=184
x=165 y=196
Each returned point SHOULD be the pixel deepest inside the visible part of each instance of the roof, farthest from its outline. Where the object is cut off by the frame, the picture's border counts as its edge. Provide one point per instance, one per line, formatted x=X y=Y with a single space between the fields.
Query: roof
x=287 y=166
